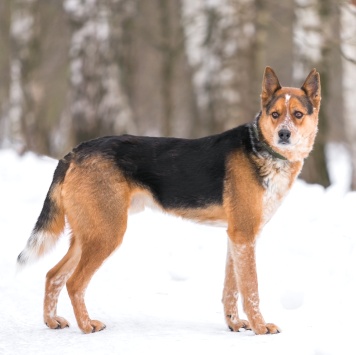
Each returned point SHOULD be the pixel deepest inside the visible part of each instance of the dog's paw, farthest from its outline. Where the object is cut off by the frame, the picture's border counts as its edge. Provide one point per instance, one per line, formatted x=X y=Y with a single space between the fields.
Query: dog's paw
x=268 y=328
x=56 y=322
x=92 y=326
x=235 y=324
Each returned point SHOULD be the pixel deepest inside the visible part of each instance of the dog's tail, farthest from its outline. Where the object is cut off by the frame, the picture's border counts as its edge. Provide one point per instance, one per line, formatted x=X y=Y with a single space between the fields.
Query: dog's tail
x=50 y=224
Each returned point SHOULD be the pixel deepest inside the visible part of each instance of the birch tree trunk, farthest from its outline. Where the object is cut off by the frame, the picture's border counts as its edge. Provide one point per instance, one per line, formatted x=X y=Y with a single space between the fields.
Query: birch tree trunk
x=348 y=50
x=97 y=103
x=220 y=39
x=274 y=44
x=312 y=47
x=5 y=43
x=158 y=77
x=37 y=80
x=20 y=115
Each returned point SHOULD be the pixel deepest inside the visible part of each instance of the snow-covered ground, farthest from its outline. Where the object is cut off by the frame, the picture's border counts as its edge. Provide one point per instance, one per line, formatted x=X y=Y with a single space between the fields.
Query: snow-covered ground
x=160 y=292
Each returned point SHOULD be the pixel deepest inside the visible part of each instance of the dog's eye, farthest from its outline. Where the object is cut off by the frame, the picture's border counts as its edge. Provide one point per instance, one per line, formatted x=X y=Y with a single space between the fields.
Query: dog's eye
x=275 y=114
x=298 y=114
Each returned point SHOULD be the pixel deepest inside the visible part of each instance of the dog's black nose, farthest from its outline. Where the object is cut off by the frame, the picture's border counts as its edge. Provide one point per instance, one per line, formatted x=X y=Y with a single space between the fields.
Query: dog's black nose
x=284 y=135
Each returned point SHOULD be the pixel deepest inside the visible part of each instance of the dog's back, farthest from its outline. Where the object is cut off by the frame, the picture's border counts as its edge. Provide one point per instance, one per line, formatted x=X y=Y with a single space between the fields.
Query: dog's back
x=179 y=173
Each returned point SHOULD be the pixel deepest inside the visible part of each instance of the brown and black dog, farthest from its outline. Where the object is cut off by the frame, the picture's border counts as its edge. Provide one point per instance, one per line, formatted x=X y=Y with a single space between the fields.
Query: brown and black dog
x=238 y=177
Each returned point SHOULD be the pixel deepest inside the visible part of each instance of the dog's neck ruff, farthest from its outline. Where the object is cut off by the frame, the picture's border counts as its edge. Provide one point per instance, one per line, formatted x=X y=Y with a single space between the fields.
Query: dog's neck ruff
x=259 y=137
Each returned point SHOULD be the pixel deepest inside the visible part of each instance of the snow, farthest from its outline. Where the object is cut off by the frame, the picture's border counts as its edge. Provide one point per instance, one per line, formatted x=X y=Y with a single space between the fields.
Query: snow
x=160 y=292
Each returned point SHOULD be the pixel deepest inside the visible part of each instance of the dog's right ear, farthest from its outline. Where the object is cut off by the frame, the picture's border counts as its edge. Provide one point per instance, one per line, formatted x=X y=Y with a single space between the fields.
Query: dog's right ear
x=270 y=84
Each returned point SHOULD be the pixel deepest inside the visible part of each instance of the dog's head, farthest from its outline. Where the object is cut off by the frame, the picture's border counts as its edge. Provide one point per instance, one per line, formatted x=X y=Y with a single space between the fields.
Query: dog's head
x=289 y=116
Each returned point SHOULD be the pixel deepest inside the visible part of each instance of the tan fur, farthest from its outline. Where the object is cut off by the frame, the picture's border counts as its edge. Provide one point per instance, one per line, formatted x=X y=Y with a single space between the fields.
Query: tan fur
x=214 y=214
x=55 y=280
x=96 y=198
x=58 y=223
x=245 y=222
x=303 y=130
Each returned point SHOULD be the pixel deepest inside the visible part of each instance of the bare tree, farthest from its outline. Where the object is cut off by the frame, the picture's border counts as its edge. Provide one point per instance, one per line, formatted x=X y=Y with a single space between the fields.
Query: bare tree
x=20 y=115
x=98 y=106
x=348 y=52
x=273 y=44
x=312 y=45
x=221 y=39
x=5 y=43
x=275 y=21
x=158 y=77
x=248 y=58
x=37 y=69
x=203 y=31
x=49 y=84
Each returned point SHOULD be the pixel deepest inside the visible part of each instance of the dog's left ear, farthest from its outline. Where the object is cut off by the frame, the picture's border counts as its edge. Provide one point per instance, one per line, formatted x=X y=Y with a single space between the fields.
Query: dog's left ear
x=311 y=87
x=270 y=84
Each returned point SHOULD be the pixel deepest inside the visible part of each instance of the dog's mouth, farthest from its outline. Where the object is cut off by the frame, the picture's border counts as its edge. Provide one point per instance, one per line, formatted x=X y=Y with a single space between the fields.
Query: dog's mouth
x=297 y=142
x=284 y=142
x=287 y=144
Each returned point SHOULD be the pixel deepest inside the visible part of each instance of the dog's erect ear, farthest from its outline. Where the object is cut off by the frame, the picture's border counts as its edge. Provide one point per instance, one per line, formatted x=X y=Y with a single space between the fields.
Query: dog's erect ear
x=311 y=86
x=270 y=84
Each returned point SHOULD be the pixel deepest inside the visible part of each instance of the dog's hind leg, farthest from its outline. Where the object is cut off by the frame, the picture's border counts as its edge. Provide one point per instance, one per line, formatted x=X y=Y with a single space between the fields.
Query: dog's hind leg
x=55 y=280
x=94 y=251
x=100 y=230
x=96 y=200
x=230 y=297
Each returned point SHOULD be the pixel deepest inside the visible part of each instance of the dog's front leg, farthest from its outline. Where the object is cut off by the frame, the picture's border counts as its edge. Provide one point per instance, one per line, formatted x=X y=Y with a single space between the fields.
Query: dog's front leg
x=230 y=297
x=244 y=263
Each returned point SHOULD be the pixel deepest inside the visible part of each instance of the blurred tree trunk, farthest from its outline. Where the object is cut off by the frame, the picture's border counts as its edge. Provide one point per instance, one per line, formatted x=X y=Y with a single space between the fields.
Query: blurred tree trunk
x=97 y=104
x=279 y=44
x=314 y=54
x=221 y=39
x=274 y=43
x=37 y=84
x=334 y=102
x=204 y=34
x=5 y=63
x=49 y=85
x=158 y=78
x=249 y=54
x=348 y=51
x=20 y=115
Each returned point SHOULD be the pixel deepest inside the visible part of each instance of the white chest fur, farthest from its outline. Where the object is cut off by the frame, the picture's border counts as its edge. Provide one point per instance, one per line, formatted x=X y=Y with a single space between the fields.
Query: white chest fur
x=277 y=182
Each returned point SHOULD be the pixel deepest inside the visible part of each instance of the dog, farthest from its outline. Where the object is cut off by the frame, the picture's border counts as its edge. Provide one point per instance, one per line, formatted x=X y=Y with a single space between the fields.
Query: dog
x=238 y=178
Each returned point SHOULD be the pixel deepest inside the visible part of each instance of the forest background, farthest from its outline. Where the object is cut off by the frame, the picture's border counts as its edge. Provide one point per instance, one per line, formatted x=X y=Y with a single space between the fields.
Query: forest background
x=73 y=70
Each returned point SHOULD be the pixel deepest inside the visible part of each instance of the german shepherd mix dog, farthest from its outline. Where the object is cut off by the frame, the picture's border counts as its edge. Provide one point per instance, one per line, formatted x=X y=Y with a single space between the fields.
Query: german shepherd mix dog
x=238 y=178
